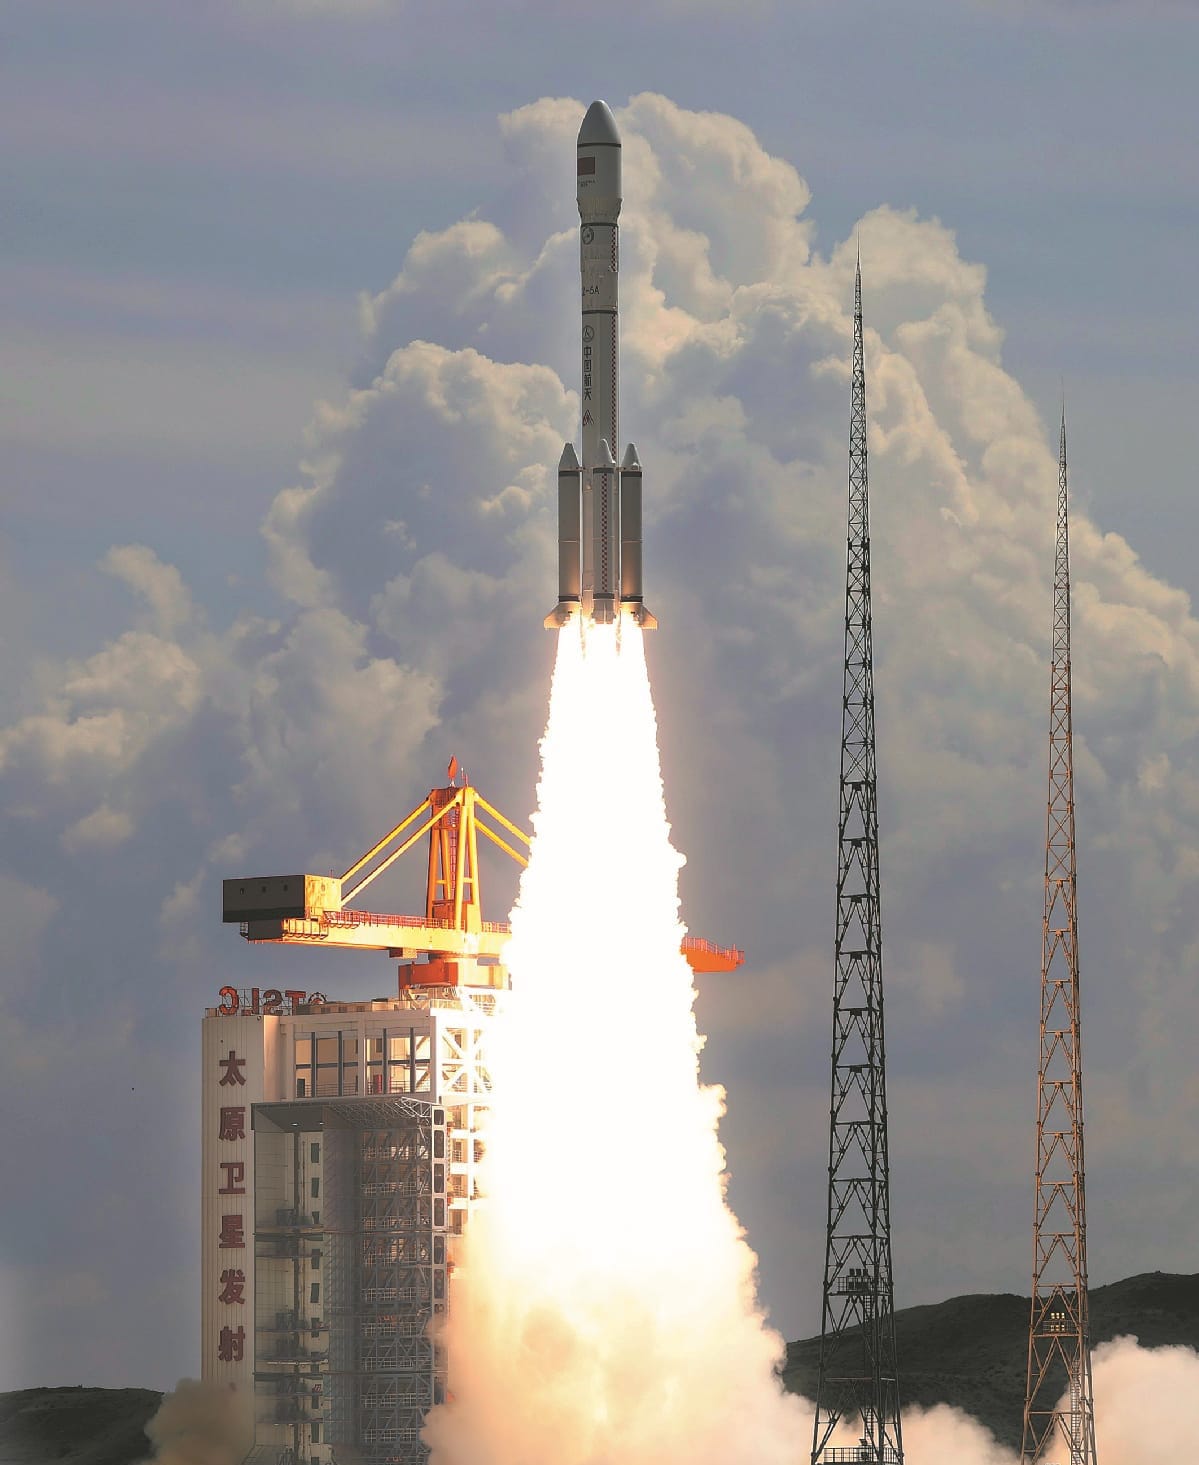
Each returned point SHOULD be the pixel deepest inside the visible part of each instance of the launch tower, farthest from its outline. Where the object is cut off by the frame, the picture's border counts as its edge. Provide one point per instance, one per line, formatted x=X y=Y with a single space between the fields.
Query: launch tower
x=857 y=1379
x=1059 y=1338
x=341 y=1144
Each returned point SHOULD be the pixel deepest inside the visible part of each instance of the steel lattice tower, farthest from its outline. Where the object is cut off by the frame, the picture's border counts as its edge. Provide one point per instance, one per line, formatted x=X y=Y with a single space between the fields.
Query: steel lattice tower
x=1059 y=1336
x=857 y=1347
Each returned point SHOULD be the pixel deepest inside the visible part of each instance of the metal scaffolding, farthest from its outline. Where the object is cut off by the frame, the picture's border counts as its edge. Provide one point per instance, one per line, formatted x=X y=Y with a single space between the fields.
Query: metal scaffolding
x=857 y=1378
x=381 y=1246
x=1059 y=1338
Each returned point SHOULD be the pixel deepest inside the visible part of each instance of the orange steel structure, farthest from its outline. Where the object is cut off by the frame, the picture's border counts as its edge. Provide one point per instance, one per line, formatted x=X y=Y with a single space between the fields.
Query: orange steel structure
x=450 y=944
x=1059 y=1341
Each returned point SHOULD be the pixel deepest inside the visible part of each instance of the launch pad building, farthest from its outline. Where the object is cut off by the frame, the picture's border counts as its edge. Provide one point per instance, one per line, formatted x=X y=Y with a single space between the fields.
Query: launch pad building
x=339 y=1155
x=342 y=1143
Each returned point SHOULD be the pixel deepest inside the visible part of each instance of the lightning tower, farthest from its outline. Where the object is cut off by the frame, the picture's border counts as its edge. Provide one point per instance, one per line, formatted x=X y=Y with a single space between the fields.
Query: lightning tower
x=857 y=1378
x=1059 y=1339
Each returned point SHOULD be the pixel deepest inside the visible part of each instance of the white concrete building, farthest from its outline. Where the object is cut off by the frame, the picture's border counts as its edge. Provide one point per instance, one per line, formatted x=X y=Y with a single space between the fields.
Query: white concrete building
x=340 y=1143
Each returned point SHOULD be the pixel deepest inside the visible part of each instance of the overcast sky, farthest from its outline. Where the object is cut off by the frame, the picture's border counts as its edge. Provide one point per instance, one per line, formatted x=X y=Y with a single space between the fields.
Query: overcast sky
x=288 y=354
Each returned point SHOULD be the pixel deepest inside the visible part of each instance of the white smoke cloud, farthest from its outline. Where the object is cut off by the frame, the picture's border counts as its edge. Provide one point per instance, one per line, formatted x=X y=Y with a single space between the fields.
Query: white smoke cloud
x=412 y=560
x=1146 y=1402
x=197 y=1424
x=606 y=1307
x=1146 y=1410
x=934 y=1435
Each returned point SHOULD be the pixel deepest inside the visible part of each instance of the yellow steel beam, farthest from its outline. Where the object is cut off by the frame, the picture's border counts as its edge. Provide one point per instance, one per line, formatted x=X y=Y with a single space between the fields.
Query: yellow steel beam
x=398 y=851
x=507 y=823
x=385 y=841
x=502 y=843
x=378 y=936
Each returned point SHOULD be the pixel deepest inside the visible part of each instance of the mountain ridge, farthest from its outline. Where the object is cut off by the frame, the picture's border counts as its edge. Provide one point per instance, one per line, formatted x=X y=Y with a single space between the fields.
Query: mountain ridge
x=968 y=1352
x=971 y=1352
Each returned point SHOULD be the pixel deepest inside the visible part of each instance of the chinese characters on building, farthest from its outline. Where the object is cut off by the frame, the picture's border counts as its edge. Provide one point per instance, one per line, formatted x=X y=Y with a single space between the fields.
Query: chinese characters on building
x=232 y=1236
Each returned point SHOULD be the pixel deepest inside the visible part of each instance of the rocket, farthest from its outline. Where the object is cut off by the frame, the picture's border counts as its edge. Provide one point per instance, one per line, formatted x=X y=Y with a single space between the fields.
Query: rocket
x=599 y=503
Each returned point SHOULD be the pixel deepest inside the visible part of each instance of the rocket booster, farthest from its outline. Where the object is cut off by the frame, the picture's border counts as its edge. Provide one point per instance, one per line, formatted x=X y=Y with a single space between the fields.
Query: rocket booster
x=599 y=503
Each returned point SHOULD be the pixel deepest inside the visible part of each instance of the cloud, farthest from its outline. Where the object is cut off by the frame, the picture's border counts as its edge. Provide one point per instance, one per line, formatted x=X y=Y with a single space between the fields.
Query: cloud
x=320 y=713
x=411 y=562
x=103 y=827
x=735 y=365
x=108 y=711
x=25 y=912
x=927 y=971
x=160 y=585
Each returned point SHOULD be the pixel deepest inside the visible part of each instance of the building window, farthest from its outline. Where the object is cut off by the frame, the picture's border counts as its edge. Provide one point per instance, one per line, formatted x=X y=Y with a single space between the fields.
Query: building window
x=316 y=1431
x=408 y=1063
x=398 y=1065
x=326 y=1071
x=349 y=1063
x=314 y=1294
x=328 y=1063
x=316 y=1186
x=316 y=1261
x=316 y=1218
x=374 y=1063
x=303 y=1067
x=315 y=1153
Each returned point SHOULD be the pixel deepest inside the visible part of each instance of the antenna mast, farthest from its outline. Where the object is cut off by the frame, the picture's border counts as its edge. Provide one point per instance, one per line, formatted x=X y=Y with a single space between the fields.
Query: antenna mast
x=1059 y=1336
x=857 y=1380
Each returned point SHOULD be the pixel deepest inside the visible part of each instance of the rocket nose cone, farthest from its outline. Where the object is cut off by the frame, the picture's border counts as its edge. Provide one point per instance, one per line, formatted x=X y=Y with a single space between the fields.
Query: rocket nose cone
x=599 y=127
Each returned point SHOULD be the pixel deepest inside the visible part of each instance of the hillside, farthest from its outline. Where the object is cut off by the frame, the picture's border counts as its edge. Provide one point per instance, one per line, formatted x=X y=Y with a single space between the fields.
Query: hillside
x=969 y=1351
x=76 y=1426
x=972 y=1351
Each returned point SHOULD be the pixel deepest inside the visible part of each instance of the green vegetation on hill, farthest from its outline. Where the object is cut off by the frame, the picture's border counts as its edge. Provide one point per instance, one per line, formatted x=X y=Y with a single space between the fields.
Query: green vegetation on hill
x=75 y=1426
x=971 y=1352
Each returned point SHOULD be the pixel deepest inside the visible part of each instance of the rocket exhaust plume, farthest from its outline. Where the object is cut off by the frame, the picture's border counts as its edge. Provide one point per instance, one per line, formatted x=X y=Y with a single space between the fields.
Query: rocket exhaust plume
x=198 y=1424
x=605 y=1307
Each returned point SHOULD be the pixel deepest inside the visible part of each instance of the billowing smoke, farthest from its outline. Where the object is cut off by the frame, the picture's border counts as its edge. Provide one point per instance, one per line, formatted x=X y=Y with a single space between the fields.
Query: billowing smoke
x=941 y=1434
x=198 y=1425
x=605 y=1306
x=606 y=1310
x=1146 y=1403
x=1146 y=1412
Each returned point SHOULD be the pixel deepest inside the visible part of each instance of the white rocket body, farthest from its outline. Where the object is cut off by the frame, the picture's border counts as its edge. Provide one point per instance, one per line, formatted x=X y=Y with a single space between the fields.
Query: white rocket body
x=599 y=563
